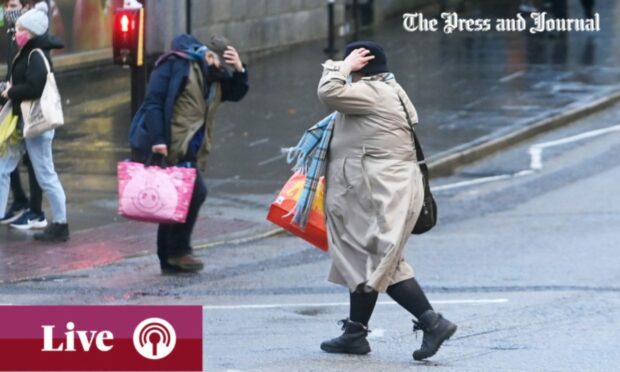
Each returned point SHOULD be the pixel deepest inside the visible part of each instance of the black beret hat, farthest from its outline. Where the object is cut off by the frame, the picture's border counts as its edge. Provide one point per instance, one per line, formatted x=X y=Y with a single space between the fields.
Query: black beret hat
x=374 y=66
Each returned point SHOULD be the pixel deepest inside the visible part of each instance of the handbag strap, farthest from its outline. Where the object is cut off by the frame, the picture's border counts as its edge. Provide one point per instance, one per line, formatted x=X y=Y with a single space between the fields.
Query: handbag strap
x=47 y=65
x=419 y=154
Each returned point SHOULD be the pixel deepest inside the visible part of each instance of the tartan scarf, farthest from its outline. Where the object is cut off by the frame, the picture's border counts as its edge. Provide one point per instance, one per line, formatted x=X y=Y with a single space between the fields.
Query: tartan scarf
x=311 y=160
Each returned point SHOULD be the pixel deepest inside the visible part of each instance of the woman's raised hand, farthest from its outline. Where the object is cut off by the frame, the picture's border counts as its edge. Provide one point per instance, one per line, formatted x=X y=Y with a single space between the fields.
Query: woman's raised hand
x=358 y=59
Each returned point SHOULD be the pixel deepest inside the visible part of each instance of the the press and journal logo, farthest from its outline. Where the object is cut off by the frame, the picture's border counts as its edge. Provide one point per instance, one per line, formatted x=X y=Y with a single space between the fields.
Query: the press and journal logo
x=153 y=338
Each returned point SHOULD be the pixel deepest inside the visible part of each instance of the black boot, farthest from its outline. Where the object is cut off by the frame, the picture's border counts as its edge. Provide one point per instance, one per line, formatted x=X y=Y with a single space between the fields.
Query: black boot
x=352 y=341
x=436 y=331
x=55 y=232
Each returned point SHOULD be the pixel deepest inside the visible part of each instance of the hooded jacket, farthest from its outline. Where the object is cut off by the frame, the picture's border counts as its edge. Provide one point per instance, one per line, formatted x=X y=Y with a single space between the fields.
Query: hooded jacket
x=166 y=84
x=29 y=77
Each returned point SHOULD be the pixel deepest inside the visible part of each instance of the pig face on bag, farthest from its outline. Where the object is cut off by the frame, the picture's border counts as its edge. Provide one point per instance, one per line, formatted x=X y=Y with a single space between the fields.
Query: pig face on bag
x=157 y=194
x=149 y=200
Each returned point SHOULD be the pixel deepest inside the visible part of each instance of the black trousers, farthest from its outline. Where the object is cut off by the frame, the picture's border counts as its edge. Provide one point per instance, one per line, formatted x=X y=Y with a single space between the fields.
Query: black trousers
x=174 y=240
x=36 y=194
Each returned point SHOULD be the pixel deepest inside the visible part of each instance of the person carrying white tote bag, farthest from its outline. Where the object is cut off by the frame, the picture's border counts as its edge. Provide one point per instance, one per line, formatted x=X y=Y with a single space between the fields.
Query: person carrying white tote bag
x=41 y=115
x=36 y=101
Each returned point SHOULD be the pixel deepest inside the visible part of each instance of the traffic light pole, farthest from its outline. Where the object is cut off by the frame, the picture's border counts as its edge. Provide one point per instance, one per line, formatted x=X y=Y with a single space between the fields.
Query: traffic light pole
x=188 y=16
x=138 y=74
x=138 y=87
x=331 y=29
x=356 y=21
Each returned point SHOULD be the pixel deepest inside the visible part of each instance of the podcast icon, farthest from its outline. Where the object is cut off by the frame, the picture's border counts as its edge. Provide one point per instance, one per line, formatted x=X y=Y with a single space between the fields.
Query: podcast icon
x=154 y=338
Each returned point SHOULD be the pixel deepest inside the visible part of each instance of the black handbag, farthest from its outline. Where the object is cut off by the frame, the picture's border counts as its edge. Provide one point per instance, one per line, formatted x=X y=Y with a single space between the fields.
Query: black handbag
x=428 y=216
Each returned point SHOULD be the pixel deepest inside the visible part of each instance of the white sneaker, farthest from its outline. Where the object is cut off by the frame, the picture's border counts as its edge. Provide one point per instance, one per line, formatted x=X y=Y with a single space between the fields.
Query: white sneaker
x=30 y=220
x=12 y=215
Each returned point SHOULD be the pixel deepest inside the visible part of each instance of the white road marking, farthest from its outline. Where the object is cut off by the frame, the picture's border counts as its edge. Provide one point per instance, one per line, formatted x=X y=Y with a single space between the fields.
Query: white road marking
x=474 y=103
x=537 y=149
x=271 y=160
x=478 y=181
x=520 y=107
x=337 y=304
x=511 y=77
x=258 y=142
x=376 y=333
x=470 y=183
x=536 y=160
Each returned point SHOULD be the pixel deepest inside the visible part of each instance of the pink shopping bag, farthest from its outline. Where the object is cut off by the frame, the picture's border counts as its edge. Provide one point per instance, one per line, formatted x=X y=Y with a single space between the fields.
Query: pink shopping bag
x=154 y=194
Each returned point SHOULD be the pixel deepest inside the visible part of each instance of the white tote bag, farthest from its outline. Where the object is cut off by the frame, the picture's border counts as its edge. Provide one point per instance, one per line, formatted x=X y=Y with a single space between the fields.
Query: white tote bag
x=41 y=115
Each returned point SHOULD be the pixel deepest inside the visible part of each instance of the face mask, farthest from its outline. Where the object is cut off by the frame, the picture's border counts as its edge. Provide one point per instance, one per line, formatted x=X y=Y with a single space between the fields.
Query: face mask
x=11 y=16
x=197 y=53
x=215 y=74
x=21 y=38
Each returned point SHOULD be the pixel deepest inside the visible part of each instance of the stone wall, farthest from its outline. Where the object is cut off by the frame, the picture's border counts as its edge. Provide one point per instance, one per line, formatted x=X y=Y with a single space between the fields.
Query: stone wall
x=165 y=20
x=392 y=8
x=389 y=8
x=257 y=25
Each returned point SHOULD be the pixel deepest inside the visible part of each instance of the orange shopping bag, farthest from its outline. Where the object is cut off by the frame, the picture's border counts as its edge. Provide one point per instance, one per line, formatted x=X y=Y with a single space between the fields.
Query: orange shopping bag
x=280 y=211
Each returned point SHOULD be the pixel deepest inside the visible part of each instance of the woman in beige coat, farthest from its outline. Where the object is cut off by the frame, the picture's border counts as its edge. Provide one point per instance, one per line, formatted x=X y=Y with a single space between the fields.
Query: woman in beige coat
x=374 y=195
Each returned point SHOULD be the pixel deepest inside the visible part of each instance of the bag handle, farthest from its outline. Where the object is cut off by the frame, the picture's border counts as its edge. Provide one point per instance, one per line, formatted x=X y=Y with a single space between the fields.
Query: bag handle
x=157 y=160
x=47 y=65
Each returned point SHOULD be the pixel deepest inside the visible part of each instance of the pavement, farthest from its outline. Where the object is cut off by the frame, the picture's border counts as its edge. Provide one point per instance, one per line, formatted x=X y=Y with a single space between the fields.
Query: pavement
x=469 y=89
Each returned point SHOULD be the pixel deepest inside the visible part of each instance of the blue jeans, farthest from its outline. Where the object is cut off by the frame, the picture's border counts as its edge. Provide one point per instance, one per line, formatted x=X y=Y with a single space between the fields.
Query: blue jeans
x=40 y=152
x=8 y=162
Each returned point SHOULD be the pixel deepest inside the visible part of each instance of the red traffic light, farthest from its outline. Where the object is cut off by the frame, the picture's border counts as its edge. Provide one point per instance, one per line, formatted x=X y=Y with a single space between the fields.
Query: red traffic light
x=124 y=23
x=128 y=36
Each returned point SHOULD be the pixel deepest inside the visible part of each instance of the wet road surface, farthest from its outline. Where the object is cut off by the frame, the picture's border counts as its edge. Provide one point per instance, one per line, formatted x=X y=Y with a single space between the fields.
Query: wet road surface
x=526 y=266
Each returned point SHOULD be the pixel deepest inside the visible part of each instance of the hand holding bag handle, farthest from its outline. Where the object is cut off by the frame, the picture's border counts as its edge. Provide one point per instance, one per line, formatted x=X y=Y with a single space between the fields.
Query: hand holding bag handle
x=45 y=113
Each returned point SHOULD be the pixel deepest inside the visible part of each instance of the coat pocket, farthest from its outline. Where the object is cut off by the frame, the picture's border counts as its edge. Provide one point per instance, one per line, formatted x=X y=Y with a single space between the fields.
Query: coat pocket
x=358 y=190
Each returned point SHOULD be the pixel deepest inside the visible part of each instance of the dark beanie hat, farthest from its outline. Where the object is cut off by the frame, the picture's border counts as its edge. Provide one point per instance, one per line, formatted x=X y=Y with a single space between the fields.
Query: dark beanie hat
x=374 y=66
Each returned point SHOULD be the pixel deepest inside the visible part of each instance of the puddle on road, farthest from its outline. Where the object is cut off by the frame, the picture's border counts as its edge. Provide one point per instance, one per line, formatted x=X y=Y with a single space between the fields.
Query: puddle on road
x=311 y=311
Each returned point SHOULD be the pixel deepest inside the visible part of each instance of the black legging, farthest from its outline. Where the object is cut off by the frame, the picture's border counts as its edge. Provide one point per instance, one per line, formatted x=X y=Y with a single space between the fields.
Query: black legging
x=407 y=294
x=410 y=295
x=19 y=197
x=36 y=194
x=362 y=305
